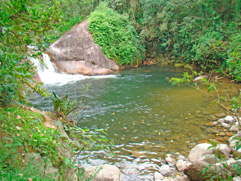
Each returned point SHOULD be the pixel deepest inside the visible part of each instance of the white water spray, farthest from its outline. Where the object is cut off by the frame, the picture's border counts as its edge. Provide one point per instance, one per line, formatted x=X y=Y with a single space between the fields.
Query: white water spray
x=48 y=75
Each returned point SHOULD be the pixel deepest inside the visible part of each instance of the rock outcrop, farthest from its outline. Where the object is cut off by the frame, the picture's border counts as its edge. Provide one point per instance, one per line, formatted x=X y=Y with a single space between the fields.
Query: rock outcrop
x=76 y=53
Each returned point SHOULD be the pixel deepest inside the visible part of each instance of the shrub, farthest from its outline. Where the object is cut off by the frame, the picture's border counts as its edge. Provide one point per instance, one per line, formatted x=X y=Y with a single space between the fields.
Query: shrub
x=118 y=40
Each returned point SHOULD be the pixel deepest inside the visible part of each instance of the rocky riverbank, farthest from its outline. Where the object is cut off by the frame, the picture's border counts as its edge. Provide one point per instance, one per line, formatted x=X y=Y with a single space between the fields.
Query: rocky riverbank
x=205 y=161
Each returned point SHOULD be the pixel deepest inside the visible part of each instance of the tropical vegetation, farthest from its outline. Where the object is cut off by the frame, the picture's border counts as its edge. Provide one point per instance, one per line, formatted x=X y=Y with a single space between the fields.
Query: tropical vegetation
x=206 y=33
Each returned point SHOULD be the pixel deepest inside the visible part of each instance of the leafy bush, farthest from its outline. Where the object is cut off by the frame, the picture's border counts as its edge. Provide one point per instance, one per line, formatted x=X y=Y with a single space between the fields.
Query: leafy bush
x=23 y=23
x=117 y=38
x=22 y=133
x=63 y=107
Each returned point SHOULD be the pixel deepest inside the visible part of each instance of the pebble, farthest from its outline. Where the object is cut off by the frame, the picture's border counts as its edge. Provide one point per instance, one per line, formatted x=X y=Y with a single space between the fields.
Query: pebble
x=234 y=128
x=158 y=175
x=220 y=115
x=226 y=125
x=210 y=124
x=228 y=119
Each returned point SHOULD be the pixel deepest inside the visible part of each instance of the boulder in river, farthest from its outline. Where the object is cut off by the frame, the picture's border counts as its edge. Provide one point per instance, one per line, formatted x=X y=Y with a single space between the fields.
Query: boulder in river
x=76 y=53
x=103 y=172
x=198 y=151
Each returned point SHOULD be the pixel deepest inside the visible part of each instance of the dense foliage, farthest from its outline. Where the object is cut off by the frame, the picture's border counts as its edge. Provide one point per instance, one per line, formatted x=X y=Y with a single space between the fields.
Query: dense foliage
x=205 y=32
x=23 y=23
x=117 y=38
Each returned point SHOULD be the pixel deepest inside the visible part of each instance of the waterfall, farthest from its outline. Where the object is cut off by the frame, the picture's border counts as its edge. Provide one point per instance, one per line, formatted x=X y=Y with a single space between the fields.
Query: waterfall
x=49 y=75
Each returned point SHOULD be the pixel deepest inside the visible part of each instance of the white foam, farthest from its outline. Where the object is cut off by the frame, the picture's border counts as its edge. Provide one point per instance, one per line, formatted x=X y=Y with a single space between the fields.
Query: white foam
x=48 y=74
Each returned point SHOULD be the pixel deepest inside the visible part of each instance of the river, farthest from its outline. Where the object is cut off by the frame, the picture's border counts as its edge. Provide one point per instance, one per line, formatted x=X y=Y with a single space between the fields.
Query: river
x=144 y=115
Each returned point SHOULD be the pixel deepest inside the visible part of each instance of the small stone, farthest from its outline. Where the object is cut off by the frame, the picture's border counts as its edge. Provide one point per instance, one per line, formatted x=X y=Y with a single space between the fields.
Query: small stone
x=158 y=175
x=229 y=134
x=198 y=151
x=238 y=134
x=228 y=119
x=212 y=131
x=165 y=170
x=221 y=120
x=210 y=124
x=236 y=178
x=209 y=158
x=221 y=133
x=213 y=118
x=226 y=125
x=222 y=150
x=220 y=115
x=170 y=160
x=195 y=171
x=197 y=79
x=234 y=128
x=232 y=143
x=215 y=123
x=184 y=178
x=181 y=165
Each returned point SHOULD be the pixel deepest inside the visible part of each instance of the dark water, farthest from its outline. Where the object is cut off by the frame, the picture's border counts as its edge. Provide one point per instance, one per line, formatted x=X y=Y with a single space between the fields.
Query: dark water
x=145 y=116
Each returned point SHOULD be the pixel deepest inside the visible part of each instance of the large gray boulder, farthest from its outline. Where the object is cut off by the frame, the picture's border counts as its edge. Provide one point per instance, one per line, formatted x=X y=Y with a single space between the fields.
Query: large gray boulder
x=76 y=53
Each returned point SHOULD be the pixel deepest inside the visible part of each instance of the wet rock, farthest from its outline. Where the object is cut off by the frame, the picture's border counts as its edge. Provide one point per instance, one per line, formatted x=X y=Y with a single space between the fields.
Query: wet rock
x=181 y=165
x=225 y=125
x=213 y=118
x=210 y=124
x=221 y=134
x=236 y=178
x=209 y=158
x=238 y=134
x=144 y=177
x=220 y=115
x=131 y=169
x=212 y=131
x=146 y=166
x=184 y=178
x=103 y=172
x=234 y=128
x=166 y=170
x=194 y=171
x=199 y=78
x=222 y=150
x=198 y=151
x=228 y=119
x=158 y=176
x=96 y=162
x=228 y=167
x=170 y=159
x=221 y=120
x=138 y=154
x=229 y=134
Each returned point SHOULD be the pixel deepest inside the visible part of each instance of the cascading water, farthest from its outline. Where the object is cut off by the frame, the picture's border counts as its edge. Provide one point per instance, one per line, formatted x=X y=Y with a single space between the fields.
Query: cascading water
x=49 y=75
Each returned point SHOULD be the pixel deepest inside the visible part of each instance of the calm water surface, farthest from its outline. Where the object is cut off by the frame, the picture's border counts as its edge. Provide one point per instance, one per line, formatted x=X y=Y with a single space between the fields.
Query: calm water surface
x=144 y=115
